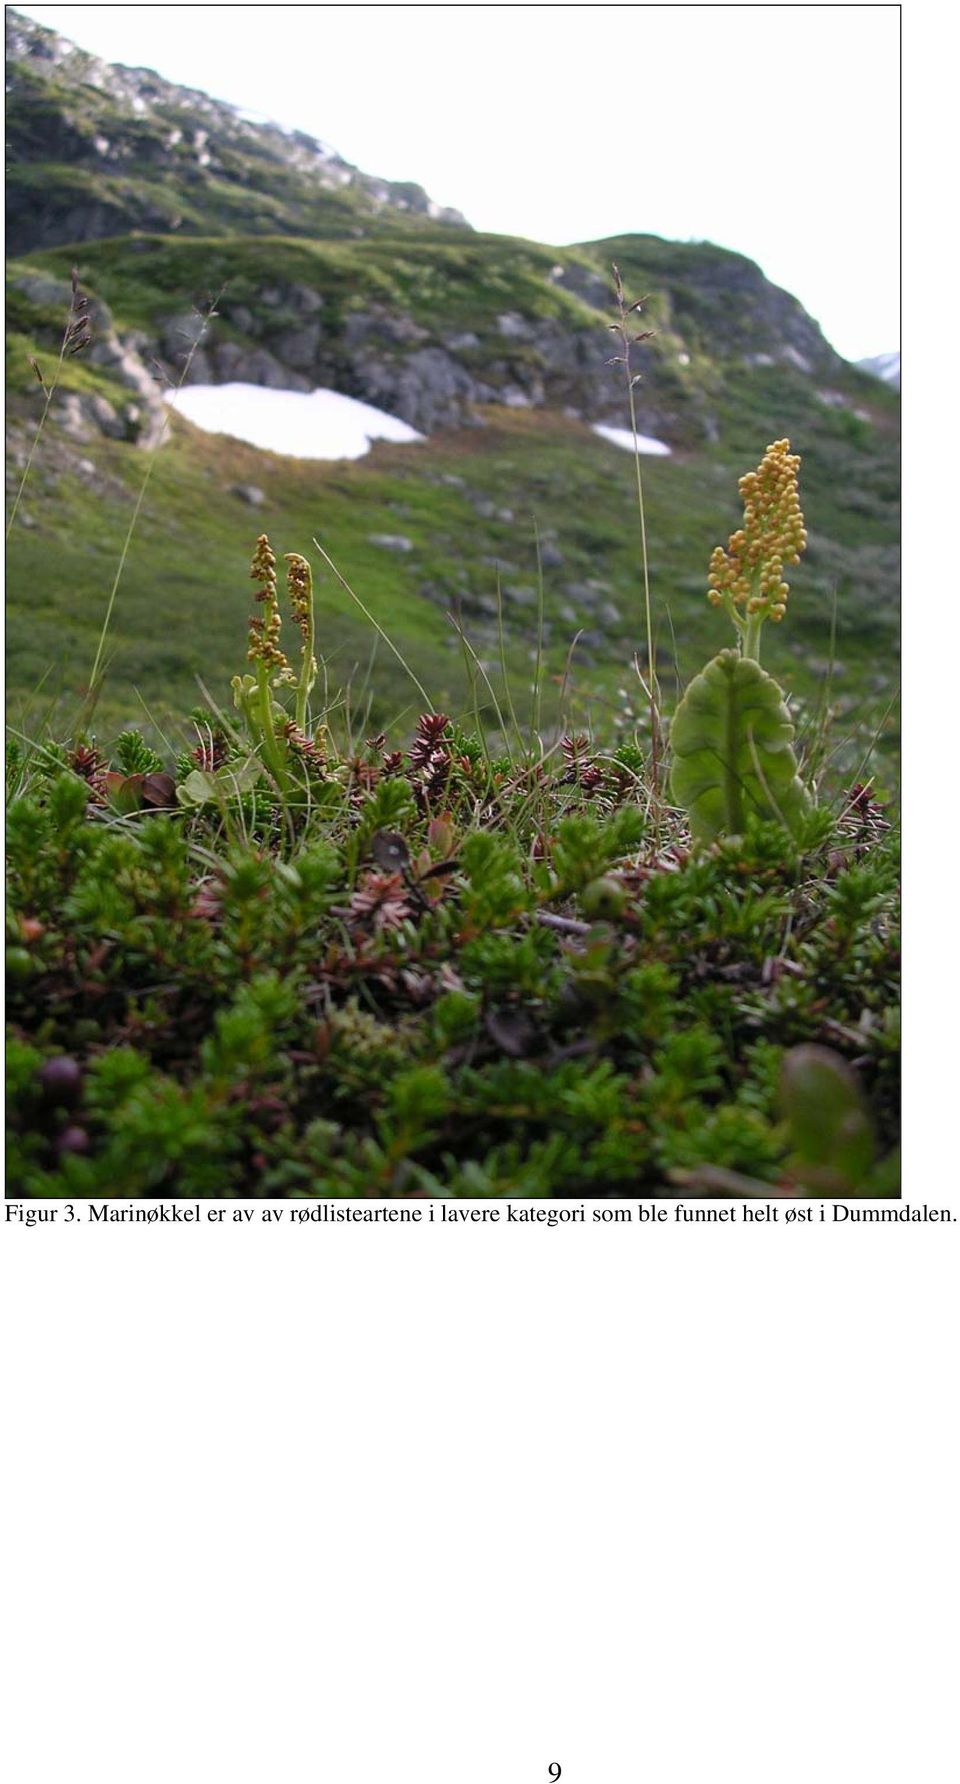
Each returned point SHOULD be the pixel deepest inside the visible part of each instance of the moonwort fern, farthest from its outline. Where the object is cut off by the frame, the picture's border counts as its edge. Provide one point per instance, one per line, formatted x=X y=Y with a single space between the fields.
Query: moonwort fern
x=732 y=737
x=279 y=742
x=732 y=750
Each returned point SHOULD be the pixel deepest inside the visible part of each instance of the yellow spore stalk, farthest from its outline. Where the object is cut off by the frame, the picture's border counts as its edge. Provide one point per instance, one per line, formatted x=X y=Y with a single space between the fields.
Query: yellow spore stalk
x=265 y=653
x=300 y=591
x=264 y=637
x=747 y=579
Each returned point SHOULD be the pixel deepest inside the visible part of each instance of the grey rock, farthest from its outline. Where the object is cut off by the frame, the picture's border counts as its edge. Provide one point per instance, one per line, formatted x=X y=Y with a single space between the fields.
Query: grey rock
x=514 y=327
x=391 y=541
x=73 y=419
x=226 y=357
x=45 y=291
x=358 y=326
x=257 y=366
x=585 y=284
x=386 y=327
x=305 y=300
x=128 y=367
x=180 y=334
x=427 y=388
x=250 y=493
x=200 y=369
x=520 y=597
x=261 y=367
x=586 y=594
x=551 y=557
x=610 y=614
x=482 y=604
x=791 y=355
x=105 y=416
x=300 y=347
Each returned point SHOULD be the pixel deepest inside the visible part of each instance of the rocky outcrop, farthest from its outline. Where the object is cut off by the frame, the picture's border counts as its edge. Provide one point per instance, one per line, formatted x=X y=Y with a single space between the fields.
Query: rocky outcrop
x=432 y=381
x=137 y=413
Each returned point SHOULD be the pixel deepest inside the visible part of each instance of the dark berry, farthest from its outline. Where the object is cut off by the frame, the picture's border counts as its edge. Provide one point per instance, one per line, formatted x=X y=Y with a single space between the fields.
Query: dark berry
x=60 y=1079
x=73 y=1139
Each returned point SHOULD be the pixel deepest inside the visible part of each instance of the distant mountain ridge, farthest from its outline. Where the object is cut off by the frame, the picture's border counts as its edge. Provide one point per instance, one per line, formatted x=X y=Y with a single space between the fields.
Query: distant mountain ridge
x=95 y=149
x=885 y=366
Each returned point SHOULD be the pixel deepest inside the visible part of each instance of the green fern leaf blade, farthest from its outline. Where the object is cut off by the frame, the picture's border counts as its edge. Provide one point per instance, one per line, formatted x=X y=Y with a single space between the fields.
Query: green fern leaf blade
x=732 y=746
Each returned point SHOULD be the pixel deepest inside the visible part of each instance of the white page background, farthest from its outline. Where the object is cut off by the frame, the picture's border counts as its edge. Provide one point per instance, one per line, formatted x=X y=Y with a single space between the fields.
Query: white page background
x=347 y=1503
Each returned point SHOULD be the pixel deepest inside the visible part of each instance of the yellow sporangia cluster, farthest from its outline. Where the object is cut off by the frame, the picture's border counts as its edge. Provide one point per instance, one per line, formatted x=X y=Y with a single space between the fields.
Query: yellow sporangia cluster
x=264 y=633
x=750 y=572
x=300 y=590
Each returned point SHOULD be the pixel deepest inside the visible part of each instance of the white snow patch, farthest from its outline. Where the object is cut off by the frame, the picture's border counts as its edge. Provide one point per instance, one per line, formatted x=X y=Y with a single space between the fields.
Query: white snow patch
x=621 y=436
x=314 y=424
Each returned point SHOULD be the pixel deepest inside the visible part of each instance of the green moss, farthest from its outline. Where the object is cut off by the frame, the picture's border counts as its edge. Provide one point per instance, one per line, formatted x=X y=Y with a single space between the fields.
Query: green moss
x=274 y=1016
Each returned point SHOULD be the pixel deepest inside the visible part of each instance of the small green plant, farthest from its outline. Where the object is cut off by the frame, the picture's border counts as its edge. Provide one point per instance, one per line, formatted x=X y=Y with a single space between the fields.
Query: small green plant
x=279 y=741
x=732 y=735
x=829 y=1126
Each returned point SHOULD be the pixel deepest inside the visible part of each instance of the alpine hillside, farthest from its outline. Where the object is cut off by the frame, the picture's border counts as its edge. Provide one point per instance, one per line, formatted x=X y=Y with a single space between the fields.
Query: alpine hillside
x=217 y=248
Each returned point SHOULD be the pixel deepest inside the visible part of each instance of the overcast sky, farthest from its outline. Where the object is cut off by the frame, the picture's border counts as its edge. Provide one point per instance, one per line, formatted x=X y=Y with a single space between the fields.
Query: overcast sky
x=769 y=129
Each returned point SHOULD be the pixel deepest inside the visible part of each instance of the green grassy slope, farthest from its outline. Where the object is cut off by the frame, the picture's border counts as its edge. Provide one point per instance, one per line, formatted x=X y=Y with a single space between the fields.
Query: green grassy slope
x=467 y=502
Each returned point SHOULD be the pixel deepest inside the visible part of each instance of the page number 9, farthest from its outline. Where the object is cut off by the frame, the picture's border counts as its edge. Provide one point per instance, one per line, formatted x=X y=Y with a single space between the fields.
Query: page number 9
x=553 y=1771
